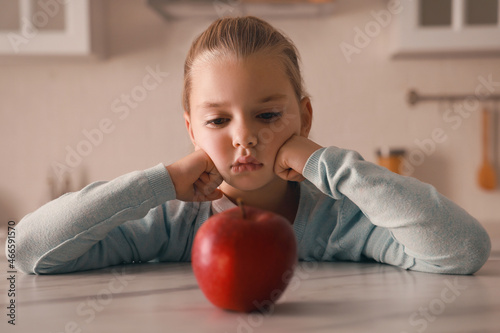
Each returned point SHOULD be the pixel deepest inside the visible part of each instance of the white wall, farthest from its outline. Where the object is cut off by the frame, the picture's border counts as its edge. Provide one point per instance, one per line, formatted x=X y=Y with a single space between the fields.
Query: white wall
x=47 y=104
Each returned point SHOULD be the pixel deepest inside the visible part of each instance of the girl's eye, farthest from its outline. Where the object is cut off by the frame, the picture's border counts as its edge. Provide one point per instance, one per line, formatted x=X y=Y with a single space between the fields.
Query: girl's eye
x=270 y=116
x=218 y=122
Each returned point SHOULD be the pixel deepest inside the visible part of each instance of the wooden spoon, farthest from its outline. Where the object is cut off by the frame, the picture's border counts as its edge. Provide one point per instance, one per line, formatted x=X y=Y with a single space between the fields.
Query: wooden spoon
x=486 y=177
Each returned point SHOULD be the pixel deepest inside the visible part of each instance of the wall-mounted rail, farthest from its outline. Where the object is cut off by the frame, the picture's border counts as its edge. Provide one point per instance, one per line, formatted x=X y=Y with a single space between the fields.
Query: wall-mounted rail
x=413 y=97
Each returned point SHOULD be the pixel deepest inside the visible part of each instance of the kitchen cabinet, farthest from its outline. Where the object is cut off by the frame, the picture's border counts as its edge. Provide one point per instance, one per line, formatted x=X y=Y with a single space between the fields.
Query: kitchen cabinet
x=51 y=27
x=446 y=27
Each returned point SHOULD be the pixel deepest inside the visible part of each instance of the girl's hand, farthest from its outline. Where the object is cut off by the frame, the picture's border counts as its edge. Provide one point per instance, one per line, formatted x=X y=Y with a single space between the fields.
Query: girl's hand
x=292 y=157
x=195 y=178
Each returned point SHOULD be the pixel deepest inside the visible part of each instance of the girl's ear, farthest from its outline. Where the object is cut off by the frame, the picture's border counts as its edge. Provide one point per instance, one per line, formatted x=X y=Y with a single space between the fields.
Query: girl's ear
x=189 y=127
x=306 y=113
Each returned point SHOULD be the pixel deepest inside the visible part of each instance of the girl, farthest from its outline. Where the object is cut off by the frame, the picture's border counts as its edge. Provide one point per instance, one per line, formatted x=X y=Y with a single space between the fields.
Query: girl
x=248 y=118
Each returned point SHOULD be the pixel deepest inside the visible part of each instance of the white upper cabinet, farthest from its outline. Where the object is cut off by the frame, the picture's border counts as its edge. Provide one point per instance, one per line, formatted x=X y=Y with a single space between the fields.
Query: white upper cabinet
x=50 y=27
x=458 y=27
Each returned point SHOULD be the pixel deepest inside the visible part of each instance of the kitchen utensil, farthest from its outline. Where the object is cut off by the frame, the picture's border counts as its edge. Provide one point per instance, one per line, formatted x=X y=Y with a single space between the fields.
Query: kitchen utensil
x=391 y=158
x=486 y=177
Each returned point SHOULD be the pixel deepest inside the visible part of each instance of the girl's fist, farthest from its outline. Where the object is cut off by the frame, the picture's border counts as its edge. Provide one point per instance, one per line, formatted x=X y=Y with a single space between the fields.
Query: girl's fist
x=292 y=157
x=195 y=178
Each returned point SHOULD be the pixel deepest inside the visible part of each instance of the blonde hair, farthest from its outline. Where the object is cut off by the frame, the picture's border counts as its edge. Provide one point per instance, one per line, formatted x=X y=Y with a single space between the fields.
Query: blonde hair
x=241 y=37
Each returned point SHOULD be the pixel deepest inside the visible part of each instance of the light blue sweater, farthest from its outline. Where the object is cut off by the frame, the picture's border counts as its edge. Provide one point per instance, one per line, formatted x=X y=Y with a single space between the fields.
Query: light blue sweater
x=349 y=209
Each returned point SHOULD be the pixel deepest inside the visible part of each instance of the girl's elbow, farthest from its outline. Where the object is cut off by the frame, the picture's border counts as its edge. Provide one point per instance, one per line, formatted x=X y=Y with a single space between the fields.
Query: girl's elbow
x=475 y=254
x=27 y=251
x=464 y=260
x=478 y=254
x=21 y=261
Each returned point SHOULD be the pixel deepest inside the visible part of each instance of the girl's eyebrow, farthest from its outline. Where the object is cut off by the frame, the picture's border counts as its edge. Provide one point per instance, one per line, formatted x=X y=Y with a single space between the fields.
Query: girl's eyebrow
x=273 y=98
x=215 y=105
x=212 y=105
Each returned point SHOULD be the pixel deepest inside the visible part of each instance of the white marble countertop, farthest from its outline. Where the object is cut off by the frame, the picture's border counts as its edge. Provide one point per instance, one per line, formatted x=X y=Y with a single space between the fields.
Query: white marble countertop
x=323 y=297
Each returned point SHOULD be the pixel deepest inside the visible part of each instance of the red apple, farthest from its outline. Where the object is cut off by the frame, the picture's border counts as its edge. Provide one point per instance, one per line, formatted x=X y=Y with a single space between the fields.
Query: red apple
x=243 y=258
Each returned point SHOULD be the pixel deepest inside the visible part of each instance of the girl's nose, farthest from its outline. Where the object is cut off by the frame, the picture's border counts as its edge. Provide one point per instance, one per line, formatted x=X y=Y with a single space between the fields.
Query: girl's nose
x=244 y=137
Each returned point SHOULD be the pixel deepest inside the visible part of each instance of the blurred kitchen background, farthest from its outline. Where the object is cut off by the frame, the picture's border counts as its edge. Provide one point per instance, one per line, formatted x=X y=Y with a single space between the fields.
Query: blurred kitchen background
x=103 y=97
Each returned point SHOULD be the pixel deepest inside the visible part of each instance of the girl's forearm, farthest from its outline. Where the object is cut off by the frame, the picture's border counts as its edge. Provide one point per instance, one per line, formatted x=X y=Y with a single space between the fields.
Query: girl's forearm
x=65 y=229
x=431 y=228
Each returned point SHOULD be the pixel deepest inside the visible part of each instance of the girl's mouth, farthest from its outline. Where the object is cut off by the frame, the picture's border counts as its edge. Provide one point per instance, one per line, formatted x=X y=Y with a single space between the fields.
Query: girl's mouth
x=246 y=167
x=246 y=163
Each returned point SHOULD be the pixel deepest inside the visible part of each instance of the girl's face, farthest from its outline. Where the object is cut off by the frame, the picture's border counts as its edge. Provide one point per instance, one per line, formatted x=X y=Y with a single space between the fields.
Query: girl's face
x=242 y=111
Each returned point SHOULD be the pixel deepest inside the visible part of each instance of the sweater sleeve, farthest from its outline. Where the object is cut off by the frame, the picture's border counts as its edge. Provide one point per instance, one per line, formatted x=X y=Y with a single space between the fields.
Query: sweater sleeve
x=105 y=223
x=411 y=218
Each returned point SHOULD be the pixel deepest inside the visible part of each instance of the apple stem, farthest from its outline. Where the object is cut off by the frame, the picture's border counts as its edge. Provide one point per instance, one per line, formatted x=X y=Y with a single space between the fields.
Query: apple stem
x=239 y=201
